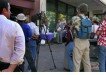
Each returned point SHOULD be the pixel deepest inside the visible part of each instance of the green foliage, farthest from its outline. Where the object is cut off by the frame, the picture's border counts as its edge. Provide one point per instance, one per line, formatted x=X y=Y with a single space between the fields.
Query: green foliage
x=51 y=19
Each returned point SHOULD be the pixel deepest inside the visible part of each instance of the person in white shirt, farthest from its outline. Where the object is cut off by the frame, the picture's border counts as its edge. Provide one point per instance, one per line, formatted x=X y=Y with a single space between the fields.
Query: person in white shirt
x=12 y=40
x=35 y=37
x=60 y=29
x=95 y=25
x=45 y=28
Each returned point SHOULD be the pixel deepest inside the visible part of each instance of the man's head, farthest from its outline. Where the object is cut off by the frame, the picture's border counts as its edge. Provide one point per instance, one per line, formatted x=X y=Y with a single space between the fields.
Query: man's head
x=82 y=8
x=5 y=8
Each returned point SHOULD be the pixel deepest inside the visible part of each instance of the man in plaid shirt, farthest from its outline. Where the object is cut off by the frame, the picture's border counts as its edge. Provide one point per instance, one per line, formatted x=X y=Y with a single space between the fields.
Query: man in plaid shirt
x=101 y=32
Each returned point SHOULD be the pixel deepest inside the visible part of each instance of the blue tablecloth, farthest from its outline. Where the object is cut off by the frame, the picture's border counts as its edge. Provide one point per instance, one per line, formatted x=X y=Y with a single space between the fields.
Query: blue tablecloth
x=47 y=36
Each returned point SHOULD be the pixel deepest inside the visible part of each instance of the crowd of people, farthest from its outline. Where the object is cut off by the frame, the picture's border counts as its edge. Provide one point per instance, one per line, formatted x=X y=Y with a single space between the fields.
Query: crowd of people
x=18 y=40
x=77 y=45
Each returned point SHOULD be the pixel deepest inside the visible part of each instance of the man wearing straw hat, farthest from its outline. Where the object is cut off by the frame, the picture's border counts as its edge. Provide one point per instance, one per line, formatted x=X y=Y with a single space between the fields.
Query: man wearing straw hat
x=28 y=35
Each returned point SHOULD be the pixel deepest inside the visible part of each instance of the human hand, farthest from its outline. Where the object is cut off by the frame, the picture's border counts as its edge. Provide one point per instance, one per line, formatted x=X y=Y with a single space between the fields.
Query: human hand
x=11 y=68
x=8 y=70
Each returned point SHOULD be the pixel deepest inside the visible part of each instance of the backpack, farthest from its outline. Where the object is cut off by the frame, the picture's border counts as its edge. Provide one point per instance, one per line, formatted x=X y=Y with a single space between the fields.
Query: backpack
x=69 y=35
x=85 y=28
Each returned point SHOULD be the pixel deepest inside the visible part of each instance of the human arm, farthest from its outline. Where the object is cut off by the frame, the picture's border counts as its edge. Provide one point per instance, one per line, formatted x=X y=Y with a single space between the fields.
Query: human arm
x=19 y=48
x=35 y=30
x=11 y=68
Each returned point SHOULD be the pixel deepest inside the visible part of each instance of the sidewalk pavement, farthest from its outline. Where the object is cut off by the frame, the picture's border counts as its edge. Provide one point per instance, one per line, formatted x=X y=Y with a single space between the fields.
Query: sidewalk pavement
x=45 y=63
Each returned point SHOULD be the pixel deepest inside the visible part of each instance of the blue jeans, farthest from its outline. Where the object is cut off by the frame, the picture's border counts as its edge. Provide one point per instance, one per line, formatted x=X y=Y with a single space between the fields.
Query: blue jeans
x=102 y=58
x=29 y=58
x=33 y=48
x=59 y=37
x=69 y=51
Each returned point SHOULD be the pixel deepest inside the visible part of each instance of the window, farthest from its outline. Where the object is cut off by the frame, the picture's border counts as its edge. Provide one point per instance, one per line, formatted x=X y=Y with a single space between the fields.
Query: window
x=62 y=9
x=56 y=8
x=51 y=14
x=71 y=12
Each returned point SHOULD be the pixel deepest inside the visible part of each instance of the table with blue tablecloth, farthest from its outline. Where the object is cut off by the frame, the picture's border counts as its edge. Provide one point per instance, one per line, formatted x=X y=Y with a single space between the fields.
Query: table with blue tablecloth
x=47 y=36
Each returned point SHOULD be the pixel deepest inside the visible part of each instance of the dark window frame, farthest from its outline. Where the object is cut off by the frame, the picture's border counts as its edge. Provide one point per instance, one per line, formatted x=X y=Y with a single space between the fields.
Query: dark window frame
x=56 y=6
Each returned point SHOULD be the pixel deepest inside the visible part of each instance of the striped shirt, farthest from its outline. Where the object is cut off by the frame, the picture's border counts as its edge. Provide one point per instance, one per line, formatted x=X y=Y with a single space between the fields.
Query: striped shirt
x=12 y=41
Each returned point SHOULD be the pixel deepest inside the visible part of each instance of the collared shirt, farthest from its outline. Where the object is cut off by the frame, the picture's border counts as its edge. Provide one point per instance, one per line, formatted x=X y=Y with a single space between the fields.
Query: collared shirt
x=34 y=28
x=12 y=41
x=102 y=36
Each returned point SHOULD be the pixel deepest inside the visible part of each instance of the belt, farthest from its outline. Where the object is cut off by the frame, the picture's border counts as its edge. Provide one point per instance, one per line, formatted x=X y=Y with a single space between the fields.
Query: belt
x=4 y=65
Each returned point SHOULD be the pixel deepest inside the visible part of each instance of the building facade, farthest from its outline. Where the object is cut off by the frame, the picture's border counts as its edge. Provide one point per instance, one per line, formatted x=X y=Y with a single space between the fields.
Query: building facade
x=28 y=7
x=68 y=9
x=54 y=8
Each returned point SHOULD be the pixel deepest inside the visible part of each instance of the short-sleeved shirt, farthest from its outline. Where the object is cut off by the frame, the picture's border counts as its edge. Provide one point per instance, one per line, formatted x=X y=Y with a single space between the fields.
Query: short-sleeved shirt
x=12 y=41
x=34 y=28
x=102 y=36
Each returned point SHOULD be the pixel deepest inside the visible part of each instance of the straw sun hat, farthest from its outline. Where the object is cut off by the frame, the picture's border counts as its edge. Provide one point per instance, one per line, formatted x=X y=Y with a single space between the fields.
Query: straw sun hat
x=21 y=17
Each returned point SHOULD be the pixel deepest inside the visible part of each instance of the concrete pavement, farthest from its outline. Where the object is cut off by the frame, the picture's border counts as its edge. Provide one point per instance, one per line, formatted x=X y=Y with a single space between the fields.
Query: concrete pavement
x=45 y=63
